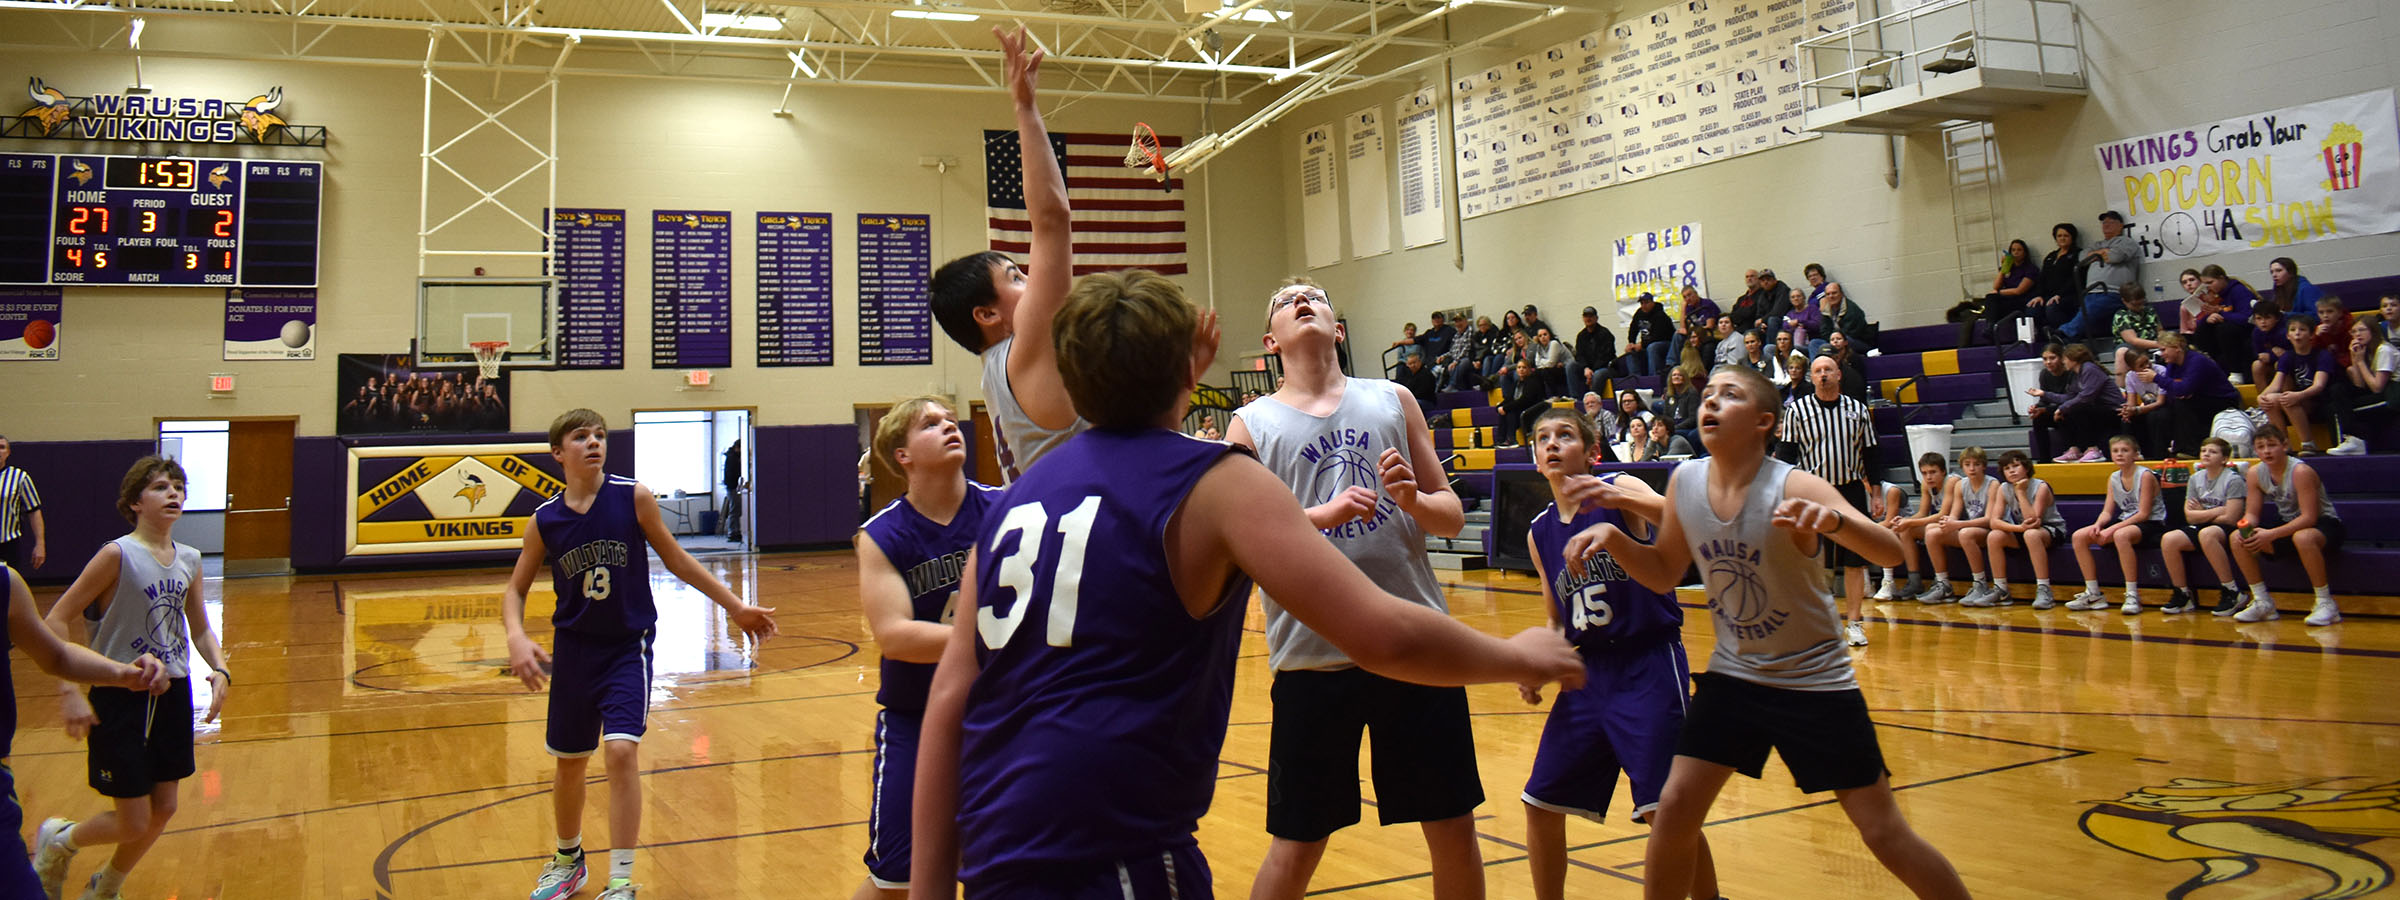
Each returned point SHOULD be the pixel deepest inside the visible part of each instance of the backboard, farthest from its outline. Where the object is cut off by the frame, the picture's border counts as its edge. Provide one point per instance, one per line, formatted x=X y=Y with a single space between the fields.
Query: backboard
x=455 y=312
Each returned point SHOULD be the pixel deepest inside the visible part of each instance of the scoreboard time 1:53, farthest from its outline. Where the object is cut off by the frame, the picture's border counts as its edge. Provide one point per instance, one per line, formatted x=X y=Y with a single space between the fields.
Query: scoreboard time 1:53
x=153 y=220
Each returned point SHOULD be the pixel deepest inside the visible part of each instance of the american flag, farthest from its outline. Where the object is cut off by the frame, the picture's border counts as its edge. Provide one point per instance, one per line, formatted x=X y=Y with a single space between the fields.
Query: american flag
x=1122 y=219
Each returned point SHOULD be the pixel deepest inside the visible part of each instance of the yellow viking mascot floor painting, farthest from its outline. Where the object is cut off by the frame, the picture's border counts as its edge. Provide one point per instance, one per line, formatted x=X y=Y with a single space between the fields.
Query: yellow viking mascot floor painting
x=2232 y=829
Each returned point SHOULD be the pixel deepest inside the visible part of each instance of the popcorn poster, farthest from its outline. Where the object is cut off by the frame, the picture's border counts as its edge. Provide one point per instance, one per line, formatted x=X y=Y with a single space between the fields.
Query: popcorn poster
x=2326 y=170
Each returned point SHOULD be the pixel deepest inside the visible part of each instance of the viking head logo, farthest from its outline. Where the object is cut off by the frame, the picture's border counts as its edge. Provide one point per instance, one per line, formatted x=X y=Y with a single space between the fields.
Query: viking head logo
x=2228 y=828
x=220 y=176
x=473 y=489
x=583 y=219
x=50 y=107
x=258 y=114
x=82 y=173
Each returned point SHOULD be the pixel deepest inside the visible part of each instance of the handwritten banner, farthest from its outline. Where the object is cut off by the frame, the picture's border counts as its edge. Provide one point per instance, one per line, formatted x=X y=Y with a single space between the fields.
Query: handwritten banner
x=2325 y=170
x=1660 y=263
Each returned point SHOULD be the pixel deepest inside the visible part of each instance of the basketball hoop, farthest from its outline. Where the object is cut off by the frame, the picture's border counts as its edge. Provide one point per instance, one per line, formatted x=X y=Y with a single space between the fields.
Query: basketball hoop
x=487 y=356
x=1144 y=154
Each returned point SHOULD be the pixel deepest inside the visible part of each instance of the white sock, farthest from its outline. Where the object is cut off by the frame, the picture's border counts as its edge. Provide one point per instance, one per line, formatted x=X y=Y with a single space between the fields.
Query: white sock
x=2091 y=586
x=2259 y=591
x=111 y=881
x=66 y=838
x=2232 y=586
x=2000 y=584
x=569 y=846
x=620 y=864
x=2325 y=594
x=2132 y=592
x=1890 y=574
x=2041 y=582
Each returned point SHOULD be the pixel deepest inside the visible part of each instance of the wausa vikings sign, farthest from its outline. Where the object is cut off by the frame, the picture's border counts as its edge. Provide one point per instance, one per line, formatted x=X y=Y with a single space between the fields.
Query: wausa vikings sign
x=151 y=117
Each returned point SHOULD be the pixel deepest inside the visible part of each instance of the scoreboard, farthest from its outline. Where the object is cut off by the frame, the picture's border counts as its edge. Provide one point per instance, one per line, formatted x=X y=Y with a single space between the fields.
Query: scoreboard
x=70 y=219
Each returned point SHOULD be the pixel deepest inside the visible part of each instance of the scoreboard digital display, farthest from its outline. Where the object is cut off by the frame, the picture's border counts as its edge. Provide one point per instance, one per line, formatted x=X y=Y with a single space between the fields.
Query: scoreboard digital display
x=147 y=220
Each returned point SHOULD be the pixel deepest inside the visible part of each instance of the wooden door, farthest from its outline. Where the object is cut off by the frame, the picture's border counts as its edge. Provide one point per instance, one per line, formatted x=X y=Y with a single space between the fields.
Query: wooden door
x=888 y=485
x=258 y=496
x=987 y=453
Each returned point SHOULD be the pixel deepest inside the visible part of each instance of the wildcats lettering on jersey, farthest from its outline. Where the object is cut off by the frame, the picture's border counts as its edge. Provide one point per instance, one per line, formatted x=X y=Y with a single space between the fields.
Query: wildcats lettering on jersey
x=596 y=553
x=1598 y=568
x=935 y=574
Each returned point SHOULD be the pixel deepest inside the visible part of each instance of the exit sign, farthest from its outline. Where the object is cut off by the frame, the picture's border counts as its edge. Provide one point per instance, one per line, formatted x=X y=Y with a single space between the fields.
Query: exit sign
x=699 y=378
x=220 y=384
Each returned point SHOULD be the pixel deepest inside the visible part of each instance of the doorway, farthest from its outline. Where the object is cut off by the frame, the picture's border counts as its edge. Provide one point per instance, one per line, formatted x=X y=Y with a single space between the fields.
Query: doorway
x=238 y=490
x=698 y=463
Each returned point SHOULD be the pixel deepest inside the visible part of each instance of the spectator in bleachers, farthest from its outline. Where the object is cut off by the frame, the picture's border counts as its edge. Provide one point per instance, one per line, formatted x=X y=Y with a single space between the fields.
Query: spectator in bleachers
x=2287 y=289
x=2145 y=402
x=1492 y=345
x=1814 y=274
x=1437 y=339
x=1663 y=443
x=1774 y=300
x=1514 y=324
x=2136 y=326
x=2370 y=394
x=2089 y=405
x=1747 y=308
x=1417 y=378
x=2012 y=286
x=1842 y=316
x=1551 y=361
x=2387 y=320
x=2057 y=288
x=2307 y=527
x=1647 y=336
x=1595 y=410
x=1755 y=355
x=1408 y=338
x=1462 y=369
x=1731 y=349
x=2268 y=343
x=1520 y=350
x=1697 y=325
x=1595 y=351
x=1679 y=404
x=1806 y=324
x=1631 y=417
x=2113 y=262
x=2028 y=518
x=2219 y=329
x=2051 y=386
x=2297 y=395
x=1791 y=364
x=2212 y=503
x=1928 y=578
x=2196 y=390
x=2133 y=514
x=1853 y=368
x=1533 y=319
x=1526 y=400
x=2333 y=328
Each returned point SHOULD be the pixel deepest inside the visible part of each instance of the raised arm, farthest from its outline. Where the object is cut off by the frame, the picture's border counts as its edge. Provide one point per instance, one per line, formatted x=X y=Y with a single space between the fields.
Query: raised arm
x=1253 y=521
x=756 y=621
x=933 y=864
x=1033 y=359
x=884 y=595
x=1658 y=565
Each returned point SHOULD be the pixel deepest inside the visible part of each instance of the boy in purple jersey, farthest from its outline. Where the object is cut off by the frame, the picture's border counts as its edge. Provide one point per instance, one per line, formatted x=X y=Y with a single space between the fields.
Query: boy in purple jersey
x=68 y=661
x=1072 y=732
x=910 y=557
x=593 y=535
x=1630 y=710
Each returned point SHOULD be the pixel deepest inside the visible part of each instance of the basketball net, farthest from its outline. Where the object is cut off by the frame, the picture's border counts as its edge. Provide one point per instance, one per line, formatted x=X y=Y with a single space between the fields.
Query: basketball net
x=1144 y=154
x=487 y=357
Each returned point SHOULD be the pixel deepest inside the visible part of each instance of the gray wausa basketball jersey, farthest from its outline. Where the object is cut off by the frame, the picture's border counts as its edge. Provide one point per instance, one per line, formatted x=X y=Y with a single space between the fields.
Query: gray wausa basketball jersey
x=145 y=613
x=1319 y=457
x=1772 y=604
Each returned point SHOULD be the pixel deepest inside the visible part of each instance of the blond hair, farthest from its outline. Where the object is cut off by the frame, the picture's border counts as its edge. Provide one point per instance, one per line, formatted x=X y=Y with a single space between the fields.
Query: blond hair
x=892 y=430
x=572 y=419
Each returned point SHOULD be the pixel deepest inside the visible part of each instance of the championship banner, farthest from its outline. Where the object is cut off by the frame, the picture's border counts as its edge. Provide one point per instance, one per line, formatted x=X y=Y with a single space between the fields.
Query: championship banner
x=446 y=497
x=1660 y=263
x=1370 y=182
x=1421 y=216
x=2326 y=170
x=1320 y=203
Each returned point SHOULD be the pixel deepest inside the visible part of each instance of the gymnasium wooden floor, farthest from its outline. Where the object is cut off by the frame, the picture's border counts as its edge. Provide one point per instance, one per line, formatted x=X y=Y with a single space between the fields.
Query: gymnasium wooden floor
x=373 y=749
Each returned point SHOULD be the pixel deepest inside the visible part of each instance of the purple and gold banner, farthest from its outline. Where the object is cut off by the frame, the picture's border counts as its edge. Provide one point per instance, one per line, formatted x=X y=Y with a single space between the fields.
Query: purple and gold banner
x=446 y=497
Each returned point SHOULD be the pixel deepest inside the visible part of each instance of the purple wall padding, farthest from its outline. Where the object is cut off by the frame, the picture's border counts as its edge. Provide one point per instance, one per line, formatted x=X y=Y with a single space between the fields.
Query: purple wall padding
x=807 y=485
x=320 y=467
x=78 y=481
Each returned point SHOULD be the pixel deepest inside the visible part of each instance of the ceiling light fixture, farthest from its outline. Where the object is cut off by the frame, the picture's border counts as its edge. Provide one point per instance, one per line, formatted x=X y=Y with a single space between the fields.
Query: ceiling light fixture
x=934 y=15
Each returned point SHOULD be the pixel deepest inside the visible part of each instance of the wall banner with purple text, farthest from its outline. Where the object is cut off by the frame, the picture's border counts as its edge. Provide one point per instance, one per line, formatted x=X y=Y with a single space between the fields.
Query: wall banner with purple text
x=264 y=324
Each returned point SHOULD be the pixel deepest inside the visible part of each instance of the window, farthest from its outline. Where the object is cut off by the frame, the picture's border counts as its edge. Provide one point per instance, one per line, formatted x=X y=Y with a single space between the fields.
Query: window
x=201 y=446
x=675 y=451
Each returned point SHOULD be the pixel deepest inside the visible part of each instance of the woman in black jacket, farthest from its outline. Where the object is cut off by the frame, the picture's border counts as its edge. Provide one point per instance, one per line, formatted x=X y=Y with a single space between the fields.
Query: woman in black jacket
x=2058 y=292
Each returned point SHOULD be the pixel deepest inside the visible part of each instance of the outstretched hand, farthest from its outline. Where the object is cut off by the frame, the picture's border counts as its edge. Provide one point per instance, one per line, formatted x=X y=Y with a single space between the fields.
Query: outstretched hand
x=756 y=621
x=1023 y=68
x=1207 y=336
x=1587 y=544
x=1551 y=657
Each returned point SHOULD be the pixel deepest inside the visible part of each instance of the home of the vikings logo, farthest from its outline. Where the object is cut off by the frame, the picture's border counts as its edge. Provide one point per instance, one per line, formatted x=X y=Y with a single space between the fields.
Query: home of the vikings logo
x=474 y=490
x=258 y=116
x=51 y=107
x=2228 y=828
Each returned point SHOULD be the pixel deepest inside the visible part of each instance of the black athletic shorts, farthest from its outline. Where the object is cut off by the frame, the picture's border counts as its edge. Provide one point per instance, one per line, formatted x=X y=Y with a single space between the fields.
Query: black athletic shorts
x=1824 y=737
x=1838 y=556
x=2151 y=530
x=2192 y=532
x=1424 y=752
x=126 y=763
x=2336 y=534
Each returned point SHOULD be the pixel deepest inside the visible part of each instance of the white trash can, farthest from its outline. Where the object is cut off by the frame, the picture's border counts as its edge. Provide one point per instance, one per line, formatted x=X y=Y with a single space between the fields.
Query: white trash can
x=1924 y=439
x=2023 y=375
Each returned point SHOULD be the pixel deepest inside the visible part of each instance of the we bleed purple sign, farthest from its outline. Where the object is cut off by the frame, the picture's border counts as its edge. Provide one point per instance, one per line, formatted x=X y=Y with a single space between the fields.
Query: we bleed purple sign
x=263 y=324
x=29 y=319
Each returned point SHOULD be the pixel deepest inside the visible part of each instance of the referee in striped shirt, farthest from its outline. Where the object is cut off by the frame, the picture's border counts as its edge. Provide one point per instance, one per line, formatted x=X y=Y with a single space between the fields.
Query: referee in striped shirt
x=1835 y=439
x=20 y=516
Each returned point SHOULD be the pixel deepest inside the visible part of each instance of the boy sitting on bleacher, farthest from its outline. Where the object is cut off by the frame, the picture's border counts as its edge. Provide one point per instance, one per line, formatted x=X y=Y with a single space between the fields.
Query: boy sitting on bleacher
x=2309 y=528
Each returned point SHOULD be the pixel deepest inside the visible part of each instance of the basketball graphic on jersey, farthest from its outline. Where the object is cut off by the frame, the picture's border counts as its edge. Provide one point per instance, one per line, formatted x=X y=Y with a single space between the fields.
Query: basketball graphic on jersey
x=1735 y=591
x=1341 y=469
x=166 y=625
